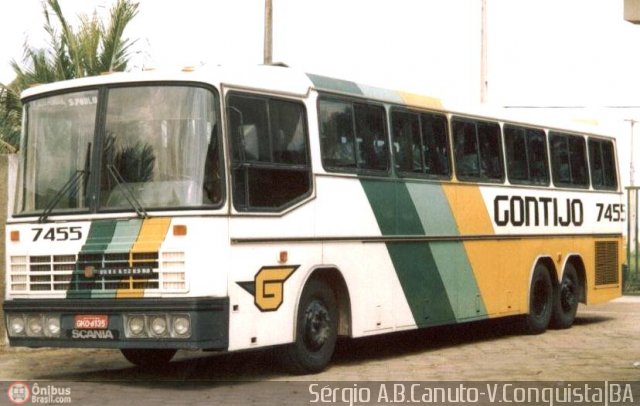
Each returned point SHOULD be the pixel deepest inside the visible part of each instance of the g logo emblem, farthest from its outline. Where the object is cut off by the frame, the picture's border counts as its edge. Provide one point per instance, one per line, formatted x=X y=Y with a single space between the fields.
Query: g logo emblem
x=267 y=287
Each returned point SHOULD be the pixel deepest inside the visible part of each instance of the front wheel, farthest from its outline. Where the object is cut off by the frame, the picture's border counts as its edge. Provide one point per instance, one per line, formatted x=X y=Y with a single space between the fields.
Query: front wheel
x=316 y=330
x=540 y=301
x=565 y=303
x=148 y=358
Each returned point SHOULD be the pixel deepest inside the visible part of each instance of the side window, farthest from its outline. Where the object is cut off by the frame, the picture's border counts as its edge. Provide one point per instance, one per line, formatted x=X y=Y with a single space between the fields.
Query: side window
x=526 y=154
x=270 y=154
x=407 y=142
x=352 y=136
x=435 y=140
x=420 y=143
x=337 y=134
x=477 y=150
x=603 y=165
x=568 y=160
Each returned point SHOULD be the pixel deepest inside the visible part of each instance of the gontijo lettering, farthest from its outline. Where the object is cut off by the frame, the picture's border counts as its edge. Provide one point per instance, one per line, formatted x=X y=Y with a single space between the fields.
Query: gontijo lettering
x=521 y=211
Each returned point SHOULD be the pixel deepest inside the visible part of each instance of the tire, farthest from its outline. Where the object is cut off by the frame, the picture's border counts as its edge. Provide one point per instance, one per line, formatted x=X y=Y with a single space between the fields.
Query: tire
x=316 y=330
x=565 y=302
x=148 y=358
x=540 y=301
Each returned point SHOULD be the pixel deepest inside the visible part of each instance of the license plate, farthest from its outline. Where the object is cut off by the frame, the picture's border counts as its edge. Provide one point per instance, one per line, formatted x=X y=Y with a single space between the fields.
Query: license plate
x=92 y=322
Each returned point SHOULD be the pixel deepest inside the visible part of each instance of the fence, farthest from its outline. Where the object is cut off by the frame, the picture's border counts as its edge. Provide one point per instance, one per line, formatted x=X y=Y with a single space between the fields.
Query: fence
x=631 y=274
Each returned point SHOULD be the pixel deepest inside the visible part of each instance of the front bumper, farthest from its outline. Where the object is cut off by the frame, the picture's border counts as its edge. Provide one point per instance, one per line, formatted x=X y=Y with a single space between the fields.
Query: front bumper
x=209 y=319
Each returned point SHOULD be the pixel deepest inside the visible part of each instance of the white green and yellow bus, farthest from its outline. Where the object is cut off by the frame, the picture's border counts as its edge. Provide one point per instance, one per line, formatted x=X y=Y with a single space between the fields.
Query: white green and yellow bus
x=233 y=209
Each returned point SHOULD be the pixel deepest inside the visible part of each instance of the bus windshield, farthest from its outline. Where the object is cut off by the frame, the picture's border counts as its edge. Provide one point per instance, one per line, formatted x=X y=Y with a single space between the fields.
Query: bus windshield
x=157 y=148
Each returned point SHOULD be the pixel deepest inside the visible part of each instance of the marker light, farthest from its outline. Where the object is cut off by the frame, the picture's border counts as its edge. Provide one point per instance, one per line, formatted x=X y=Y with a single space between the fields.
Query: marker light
x=179 y=230
x=15 y=236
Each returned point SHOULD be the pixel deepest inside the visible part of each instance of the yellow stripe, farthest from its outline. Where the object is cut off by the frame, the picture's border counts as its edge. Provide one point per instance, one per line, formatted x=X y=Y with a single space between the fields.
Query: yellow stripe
x=472 y=218
x=503 y=268
x=132 y=293
x=468 y=209
x=152 y=234
x=421 y=101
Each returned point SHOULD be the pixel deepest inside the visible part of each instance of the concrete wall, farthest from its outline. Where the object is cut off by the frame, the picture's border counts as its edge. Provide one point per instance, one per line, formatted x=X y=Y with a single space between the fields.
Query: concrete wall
x=632 y=11
x=8 y=167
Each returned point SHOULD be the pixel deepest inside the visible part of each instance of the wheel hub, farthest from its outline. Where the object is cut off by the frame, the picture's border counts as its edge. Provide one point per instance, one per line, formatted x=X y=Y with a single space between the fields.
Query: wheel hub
x=317 y=325
x=540 y=295
x=568 y=296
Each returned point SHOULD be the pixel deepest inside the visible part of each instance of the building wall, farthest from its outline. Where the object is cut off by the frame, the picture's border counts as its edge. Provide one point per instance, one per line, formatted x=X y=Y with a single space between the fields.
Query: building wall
x=8 y=165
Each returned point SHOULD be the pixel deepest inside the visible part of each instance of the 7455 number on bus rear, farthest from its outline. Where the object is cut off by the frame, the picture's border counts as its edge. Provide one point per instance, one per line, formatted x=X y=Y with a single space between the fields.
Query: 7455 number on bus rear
x=610 y=212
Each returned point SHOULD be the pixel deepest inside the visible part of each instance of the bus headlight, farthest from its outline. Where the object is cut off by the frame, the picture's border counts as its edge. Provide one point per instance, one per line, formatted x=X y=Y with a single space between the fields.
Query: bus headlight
x=16 y=325
x=181 y=325
x=52 y=326
x=34 y=326
x=136 y=325
x=158 y=325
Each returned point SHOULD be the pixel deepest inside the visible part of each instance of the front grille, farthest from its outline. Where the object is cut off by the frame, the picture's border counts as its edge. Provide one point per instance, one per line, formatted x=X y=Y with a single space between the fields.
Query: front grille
x=116 y=271
x=111 y=271
x=606 y=262
x=41 y=272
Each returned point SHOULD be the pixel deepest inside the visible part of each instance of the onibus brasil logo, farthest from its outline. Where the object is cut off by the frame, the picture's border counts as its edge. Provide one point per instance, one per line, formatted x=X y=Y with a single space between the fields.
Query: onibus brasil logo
x=19 y=393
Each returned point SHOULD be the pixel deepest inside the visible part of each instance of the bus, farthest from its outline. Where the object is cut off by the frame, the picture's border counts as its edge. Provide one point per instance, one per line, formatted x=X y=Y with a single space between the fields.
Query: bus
x=233 y=209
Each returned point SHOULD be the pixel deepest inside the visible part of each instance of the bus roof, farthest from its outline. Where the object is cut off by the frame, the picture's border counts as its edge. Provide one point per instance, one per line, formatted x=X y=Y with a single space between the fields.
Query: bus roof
x=295 y=82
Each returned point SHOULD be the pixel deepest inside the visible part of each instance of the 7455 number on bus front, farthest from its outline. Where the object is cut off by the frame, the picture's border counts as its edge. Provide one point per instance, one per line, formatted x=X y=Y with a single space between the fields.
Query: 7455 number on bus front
x=58 y=234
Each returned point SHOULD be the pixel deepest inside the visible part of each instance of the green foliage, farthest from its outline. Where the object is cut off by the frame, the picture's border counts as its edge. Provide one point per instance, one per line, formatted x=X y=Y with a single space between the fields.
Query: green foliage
x=91 y=49
x=10 y=120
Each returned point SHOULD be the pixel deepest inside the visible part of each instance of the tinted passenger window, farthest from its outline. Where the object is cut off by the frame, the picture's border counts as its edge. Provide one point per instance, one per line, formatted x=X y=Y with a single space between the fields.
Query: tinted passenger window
x=270 y=156
x=420 y=143
x=603 y=164
x=568 y=160
x=353 y=136
x=526 y=150
x=477 y=149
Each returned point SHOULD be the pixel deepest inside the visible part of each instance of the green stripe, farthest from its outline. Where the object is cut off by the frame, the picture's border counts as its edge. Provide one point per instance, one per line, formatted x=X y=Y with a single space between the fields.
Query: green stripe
x=124 y=236
x=381 y=94
x=436 y=277
x=433 y=208
x=450 y=257
x=414 y=262
x=100 y=236
x=336 y=85
x=452 y=262
x=353 y=88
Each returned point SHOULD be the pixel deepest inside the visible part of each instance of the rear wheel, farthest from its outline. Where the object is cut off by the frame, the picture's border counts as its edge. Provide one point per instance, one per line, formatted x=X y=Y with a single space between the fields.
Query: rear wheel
x=540 y=301
x=316 y=330
x=148 y=358
x=565 y=303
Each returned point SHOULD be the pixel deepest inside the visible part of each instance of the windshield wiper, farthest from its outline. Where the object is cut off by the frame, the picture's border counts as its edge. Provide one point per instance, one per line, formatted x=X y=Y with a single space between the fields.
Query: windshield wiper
x=79 y=174
x=72 y=182
x=135 y=203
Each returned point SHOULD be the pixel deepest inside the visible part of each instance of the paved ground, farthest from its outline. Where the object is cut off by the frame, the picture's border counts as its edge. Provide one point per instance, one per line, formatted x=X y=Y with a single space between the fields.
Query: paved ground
x=604 y=344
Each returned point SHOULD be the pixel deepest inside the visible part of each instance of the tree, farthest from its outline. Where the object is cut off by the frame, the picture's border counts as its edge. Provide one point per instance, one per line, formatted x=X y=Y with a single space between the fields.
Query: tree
x=10 y=120
x=92 y=49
